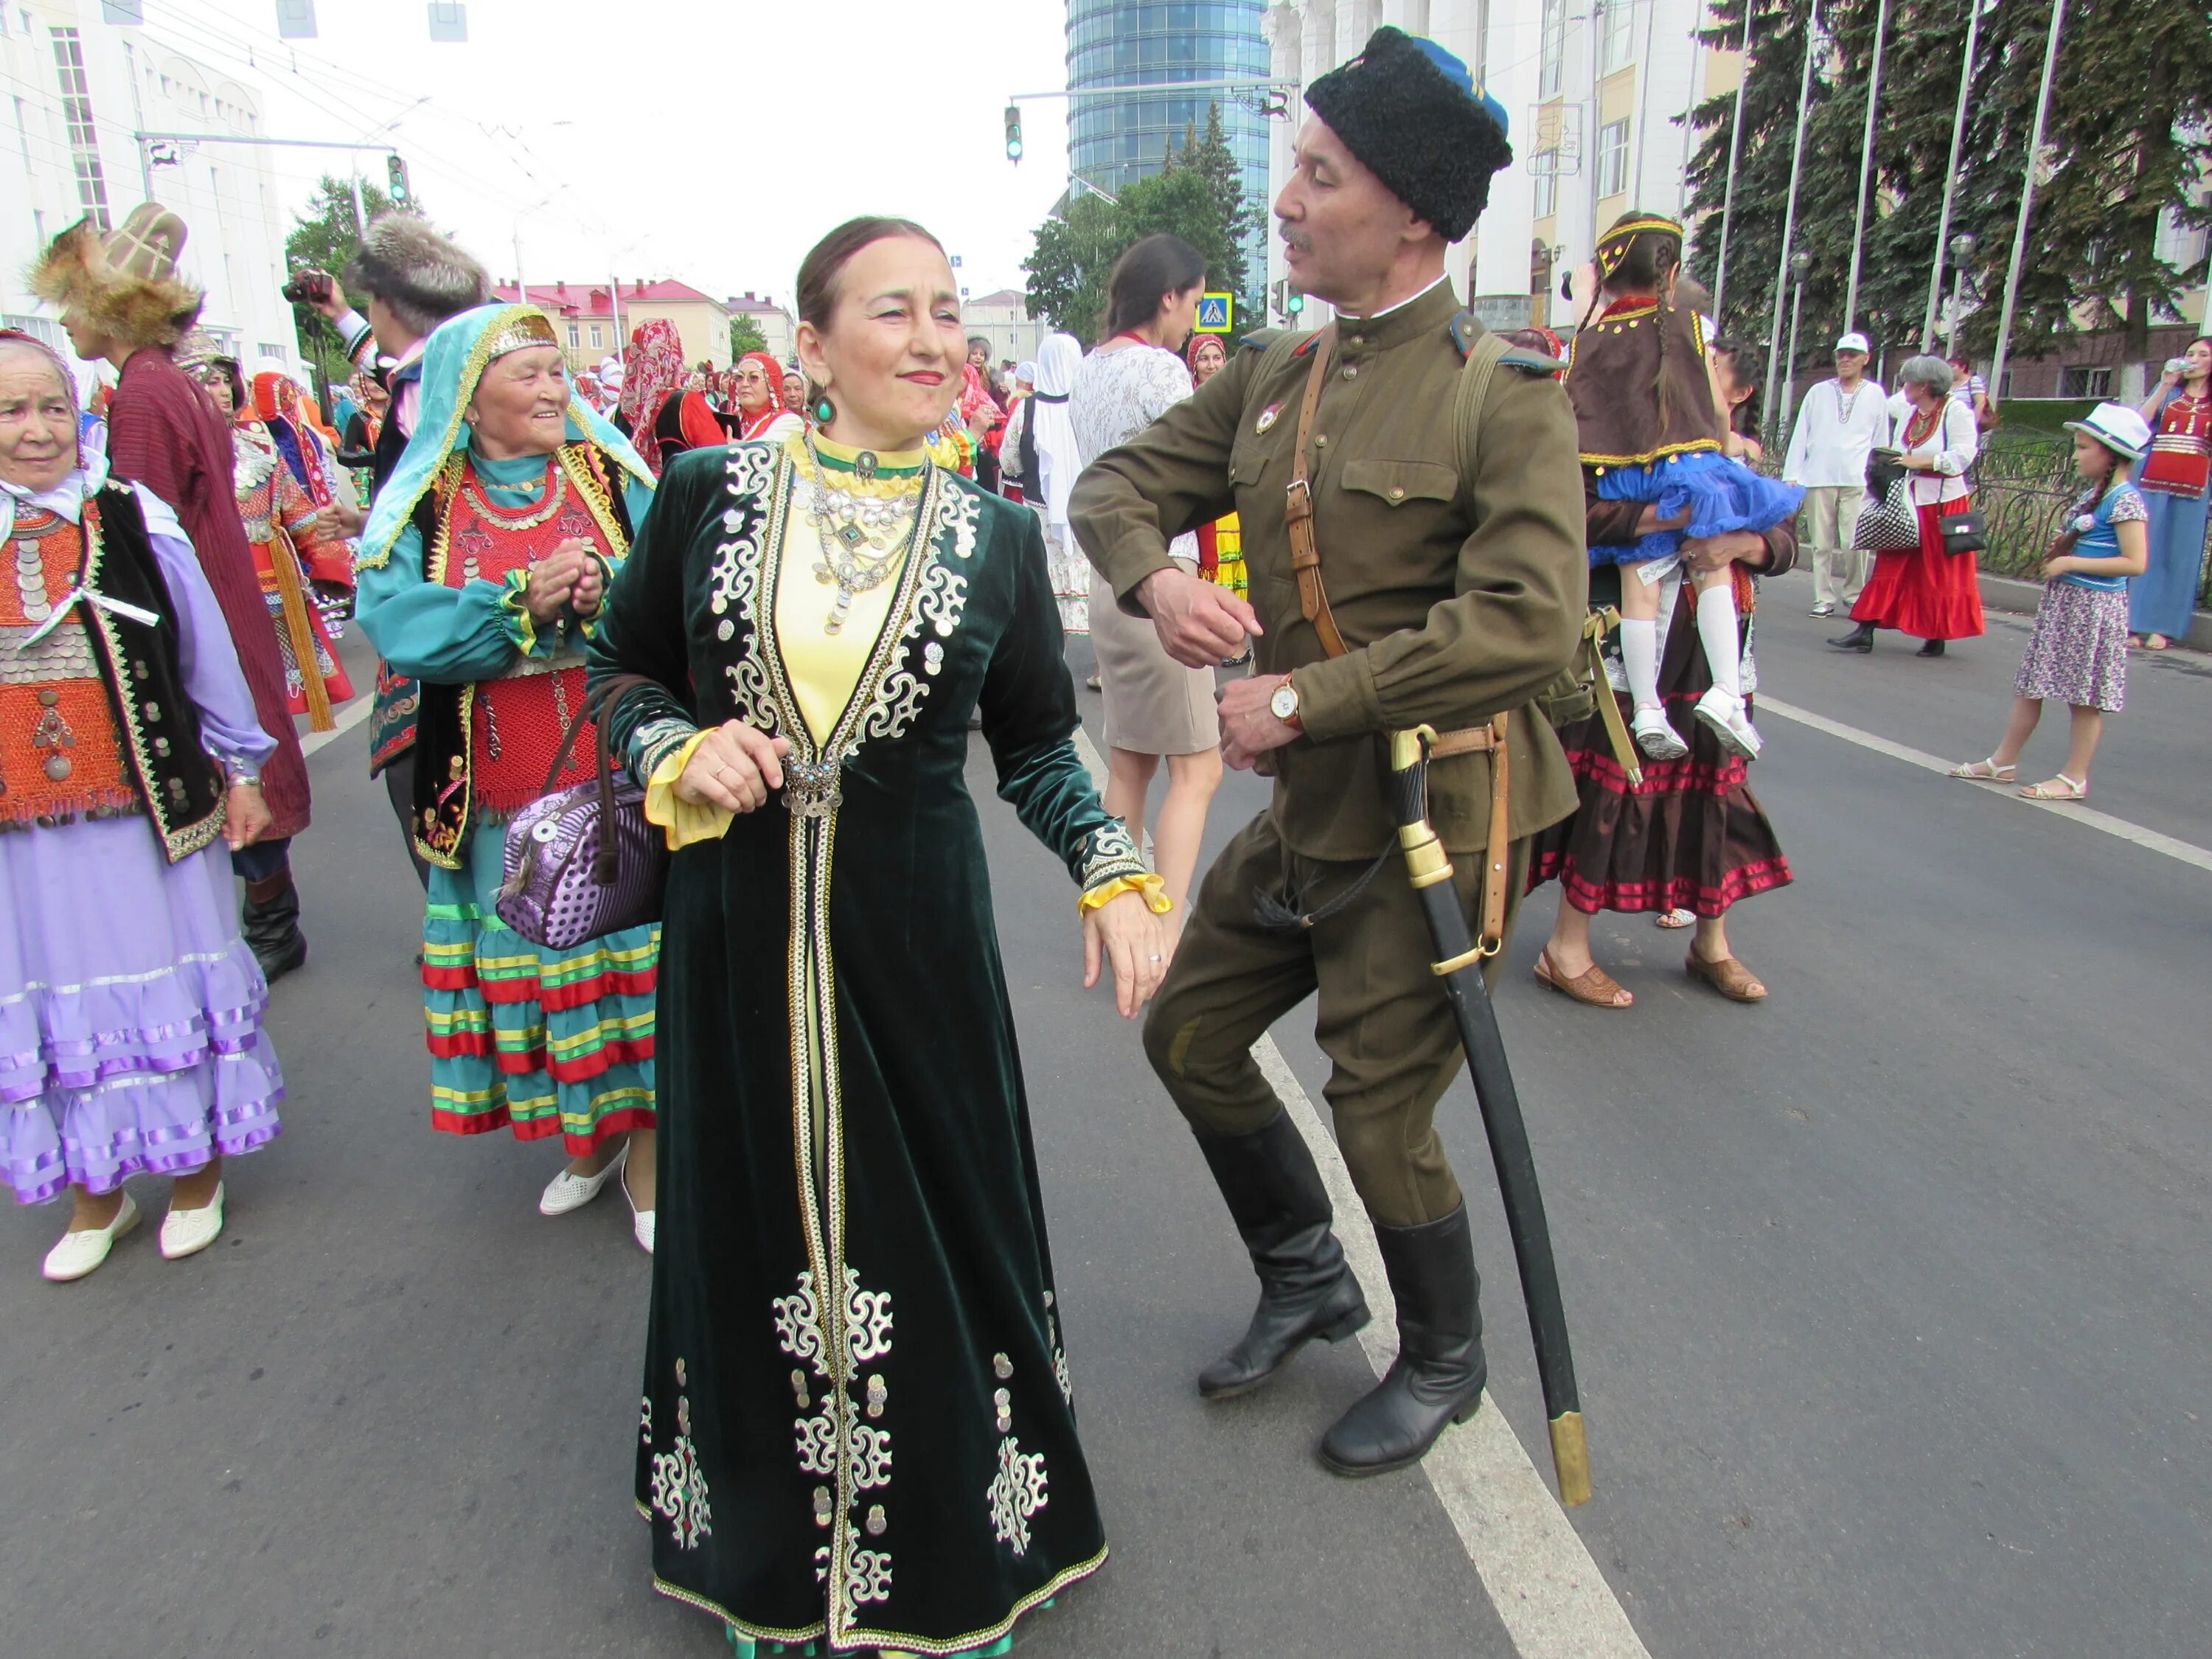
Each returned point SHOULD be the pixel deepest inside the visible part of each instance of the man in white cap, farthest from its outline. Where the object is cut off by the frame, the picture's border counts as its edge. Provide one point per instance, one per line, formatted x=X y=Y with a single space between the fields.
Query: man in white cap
x=1839 y=422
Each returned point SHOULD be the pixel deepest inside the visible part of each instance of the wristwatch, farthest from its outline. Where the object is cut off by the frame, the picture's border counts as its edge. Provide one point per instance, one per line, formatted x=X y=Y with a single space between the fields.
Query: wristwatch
x=1284 y=705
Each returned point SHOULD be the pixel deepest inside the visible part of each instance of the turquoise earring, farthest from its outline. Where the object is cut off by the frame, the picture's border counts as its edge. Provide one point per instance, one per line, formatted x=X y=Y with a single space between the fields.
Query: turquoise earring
x=825 y=410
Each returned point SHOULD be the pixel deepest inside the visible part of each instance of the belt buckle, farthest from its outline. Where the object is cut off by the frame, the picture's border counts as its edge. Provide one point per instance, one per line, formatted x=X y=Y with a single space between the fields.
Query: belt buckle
x=1293 y=508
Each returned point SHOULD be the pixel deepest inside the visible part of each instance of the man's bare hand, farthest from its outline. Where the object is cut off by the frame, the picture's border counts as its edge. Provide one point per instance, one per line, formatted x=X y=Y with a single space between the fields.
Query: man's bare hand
x=1200 y=624
x=334 y=304
x=1711 y=553
x=1249 y=727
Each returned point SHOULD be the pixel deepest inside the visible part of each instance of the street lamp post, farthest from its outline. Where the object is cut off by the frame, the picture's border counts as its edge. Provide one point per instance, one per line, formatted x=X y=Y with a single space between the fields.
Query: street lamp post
x=1812 y=40
x=1800 y=263
x=1962 y=249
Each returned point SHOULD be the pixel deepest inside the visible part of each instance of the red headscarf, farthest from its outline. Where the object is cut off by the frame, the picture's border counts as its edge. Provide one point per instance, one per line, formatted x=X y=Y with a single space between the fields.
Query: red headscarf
x=653 y=368
x=751 y=426
x=277 y=404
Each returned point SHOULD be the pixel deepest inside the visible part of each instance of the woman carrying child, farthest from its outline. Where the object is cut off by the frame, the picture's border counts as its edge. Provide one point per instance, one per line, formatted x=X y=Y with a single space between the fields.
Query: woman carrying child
x=2078 y=652
x=1650 y=430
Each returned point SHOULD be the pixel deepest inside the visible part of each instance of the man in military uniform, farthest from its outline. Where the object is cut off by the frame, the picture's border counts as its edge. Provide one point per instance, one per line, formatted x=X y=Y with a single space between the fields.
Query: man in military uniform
x=1452 y=588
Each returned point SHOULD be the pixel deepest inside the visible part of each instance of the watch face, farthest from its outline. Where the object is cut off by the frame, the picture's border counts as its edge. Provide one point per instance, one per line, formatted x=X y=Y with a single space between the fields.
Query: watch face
x=1285 y=703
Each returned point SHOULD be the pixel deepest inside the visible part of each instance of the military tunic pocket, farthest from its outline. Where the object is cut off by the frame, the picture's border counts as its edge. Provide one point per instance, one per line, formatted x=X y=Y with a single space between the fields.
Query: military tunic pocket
x=1396 y=483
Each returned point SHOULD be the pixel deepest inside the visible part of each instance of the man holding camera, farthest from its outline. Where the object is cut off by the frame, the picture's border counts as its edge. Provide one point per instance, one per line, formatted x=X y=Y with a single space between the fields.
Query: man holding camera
x=411 y=279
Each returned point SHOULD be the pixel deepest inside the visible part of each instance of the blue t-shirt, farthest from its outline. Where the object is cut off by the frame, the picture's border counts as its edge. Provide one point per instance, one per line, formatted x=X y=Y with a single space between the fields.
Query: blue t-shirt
x=2116 y=505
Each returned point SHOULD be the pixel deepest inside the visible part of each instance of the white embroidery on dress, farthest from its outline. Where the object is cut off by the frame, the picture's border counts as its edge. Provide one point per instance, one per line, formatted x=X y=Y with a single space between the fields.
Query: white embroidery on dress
x=866 y=1448
x=939 y=603
x=752 y=468
x=1112 y=853
x=679 y=1485
x=1016 y=1493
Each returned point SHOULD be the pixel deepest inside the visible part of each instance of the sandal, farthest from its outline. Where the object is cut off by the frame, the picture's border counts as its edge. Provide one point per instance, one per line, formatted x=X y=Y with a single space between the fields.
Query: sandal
x=1728 y=976
x=1593 y=986
x=1676 y=918
x=2060 y=787
x=2156 y=642
x=1985 y=771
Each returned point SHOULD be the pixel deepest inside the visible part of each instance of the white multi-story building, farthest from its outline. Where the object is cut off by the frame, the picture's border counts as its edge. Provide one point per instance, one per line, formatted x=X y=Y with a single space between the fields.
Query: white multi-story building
x=75 y=92
x=1004 y=319
x=1593 y=91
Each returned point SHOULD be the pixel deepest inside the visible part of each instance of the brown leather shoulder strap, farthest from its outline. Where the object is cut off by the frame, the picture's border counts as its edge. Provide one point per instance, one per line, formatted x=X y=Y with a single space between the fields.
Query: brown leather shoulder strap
x=1298 y=508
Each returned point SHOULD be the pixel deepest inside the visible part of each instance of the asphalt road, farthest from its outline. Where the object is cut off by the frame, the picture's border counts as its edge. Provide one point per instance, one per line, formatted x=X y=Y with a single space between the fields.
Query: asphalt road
x=1888 y=1296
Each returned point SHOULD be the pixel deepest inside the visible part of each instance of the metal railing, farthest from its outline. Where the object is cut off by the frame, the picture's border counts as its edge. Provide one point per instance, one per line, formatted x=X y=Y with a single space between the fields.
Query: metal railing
x=2023 y=487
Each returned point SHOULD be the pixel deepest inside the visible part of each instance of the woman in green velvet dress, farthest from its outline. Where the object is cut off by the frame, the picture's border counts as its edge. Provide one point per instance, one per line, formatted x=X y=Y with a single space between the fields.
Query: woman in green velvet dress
x=858 y=1430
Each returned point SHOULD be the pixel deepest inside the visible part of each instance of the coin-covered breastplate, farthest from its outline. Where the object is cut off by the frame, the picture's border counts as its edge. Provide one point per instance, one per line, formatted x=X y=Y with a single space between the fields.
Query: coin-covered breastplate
x=61 y=755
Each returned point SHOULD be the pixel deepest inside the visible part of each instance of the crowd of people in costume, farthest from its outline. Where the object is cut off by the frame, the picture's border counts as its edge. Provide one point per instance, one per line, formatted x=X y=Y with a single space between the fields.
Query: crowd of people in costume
x=770 y=601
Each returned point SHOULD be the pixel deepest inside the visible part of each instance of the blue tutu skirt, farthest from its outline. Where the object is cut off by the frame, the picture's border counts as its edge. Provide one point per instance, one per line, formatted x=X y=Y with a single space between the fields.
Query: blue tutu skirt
x=1721 y=494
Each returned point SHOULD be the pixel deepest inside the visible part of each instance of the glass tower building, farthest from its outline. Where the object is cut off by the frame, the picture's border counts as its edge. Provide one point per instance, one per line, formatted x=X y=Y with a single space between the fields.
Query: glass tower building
x=1114 y=142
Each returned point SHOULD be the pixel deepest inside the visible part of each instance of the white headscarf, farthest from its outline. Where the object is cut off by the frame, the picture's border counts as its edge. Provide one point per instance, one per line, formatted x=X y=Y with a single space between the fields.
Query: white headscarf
x=1059 y=459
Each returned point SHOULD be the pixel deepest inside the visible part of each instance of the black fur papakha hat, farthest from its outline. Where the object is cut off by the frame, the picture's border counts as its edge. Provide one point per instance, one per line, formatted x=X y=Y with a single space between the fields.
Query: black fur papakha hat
x=423 y=277
x=1413 y=114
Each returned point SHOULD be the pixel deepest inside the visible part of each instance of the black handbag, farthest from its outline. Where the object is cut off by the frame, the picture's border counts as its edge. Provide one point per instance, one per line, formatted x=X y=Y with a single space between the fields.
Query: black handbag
x=1963 y=532
x=1889 y=524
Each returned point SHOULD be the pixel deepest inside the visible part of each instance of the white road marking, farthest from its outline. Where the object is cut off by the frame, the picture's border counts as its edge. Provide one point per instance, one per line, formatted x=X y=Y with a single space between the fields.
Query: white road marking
x=349 y=717
x=2186 y=852
x=1549 y=1593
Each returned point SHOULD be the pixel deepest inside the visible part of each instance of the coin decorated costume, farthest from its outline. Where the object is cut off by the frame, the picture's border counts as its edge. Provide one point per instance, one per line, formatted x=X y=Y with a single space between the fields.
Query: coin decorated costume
x=1457 y=581
x=544 y=1041
x=858 y=1418
x=131 y=1009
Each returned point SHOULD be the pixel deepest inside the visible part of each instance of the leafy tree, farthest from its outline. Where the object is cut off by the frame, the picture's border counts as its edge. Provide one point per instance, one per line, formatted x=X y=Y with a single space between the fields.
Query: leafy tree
x=1198 y=195
x=324 y=237
x=745 y=336
x=2113 y=162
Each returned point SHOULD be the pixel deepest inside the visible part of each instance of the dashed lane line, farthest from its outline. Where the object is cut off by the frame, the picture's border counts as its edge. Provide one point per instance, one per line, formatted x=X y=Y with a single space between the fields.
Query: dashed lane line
x=2150 y=839
x=1549 y=1593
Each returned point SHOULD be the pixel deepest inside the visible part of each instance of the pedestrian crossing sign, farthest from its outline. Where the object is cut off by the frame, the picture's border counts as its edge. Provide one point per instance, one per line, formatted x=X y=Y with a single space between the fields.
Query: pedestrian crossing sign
x=1214 y=311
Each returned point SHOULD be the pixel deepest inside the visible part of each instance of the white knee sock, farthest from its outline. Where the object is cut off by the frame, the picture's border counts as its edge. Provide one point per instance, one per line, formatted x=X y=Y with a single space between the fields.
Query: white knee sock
x=1639 y=655
x=1716 y=632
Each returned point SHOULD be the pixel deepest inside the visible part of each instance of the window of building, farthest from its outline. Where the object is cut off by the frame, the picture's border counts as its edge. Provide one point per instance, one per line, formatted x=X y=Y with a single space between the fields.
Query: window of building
x=272 y=348
x=2085 y=381
x=84 y=138
x=598 y=335
x=575 y=338
x=43 y=329
x=1616 y=35
x=1612 y=158
x=1547 y=193
x=1553 y=49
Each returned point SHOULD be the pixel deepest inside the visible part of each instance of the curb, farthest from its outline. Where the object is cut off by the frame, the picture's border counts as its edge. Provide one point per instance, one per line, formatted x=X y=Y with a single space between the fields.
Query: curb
x=2018 y=598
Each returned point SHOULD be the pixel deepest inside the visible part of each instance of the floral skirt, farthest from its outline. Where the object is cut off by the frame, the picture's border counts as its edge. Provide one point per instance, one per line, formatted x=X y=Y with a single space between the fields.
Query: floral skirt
x=539 y=1040
x=131 y=1038
x=2078 y=653
x=1070 y=579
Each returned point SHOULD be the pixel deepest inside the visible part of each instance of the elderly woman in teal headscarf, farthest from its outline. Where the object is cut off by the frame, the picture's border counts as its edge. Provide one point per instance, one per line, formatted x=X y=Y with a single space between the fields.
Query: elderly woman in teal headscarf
x=481 y=575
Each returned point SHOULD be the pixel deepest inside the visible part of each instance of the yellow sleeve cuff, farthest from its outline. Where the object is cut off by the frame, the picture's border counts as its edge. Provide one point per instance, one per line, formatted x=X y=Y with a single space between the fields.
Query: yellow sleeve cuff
x=683 y=821
x=1154 y=889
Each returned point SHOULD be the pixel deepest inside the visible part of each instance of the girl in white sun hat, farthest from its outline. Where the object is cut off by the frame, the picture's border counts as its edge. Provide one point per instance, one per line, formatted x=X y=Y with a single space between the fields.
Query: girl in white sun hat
x=2078 y=653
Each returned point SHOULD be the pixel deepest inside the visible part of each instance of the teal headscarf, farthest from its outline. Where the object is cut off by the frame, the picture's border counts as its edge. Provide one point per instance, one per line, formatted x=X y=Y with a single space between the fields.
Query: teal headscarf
x=452 y=363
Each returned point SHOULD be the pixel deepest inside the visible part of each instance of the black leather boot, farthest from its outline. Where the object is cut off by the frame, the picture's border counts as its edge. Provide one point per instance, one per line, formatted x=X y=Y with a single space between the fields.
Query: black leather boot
x=271 y=925
x=1306 y=1289
x=1438 y=1374
x=1930 y=648
x=1860 y=638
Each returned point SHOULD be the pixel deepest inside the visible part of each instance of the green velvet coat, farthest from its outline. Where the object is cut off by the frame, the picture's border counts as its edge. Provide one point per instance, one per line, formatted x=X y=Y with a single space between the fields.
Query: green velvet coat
x=841 y=1099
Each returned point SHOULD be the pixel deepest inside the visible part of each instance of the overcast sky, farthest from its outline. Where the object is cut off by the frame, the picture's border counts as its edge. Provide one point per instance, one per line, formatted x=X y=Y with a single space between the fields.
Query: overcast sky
x=709 y=140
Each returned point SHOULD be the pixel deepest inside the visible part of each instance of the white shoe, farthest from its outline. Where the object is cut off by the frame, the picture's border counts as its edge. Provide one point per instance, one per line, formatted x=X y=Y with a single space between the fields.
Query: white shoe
x=79 y=1253
x=568 y=1191
x=187 y=1232
x=1655 y=737
x=640 y=1221
x=1825 y=608
x=1724 y=715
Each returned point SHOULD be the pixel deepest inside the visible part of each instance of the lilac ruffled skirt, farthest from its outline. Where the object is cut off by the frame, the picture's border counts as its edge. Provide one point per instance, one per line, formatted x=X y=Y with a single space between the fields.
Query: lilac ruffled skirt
x=131 y=1010
x=1722 y=494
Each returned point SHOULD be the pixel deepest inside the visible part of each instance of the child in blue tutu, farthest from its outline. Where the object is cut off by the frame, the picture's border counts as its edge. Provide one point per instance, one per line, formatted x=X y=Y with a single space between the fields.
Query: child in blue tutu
x=1650 y=428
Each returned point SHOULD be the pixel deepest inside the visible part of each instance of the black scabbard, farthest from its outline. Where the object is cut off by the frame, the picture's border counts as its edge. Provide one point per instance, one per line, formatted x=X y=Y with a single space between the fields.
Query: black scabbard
x=1458 y=964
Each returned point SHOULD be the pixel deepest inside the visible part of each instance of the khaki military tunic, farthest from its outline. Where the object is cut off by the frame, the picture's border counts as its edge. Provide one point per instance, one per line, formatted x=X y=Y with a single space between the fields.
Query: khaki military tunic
x=1459 y=598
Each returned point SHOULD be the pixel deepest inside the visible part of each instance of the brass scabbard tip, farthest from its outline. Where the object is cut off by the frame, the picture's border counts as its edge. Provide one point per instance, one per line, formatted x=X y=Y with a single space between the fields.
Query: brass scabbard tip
x=1570 y=1458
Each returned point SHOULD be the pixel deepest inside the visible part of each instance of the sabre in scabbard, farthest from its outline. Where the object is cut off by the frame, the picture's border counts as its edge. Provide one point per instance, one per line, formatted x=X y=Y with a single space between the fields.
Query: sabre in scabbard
x=1458 y=964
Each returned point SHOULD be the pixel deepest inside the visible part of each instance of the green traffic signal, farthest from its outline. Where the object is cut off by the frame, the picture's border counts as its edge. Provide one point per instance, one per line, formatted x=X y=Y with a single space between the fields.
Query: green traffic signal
x=1013 y=132
x=395 y=178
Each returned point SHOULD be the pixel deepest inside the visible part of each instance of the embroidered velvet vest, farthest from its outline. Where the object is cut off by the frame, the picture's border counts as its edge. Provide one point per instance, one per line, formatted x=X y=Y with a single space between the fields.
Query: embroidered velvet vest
x=486 y=747
x=95 y=720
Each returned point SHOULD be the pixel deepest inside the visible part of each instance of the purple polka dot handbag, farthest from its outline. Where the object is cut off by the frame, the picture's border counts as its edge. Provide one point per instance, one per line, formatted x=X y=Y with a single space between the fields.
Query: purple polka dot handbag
x=583 y=861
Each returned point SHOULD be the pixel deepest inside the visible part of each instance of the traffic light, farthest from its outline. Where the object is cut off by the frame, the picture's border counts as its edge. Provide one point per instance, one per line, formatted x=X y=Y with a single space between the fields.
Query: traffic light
x=395 y=182
x=1287 y=299
x=1014 y=132
x=1297 y=301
